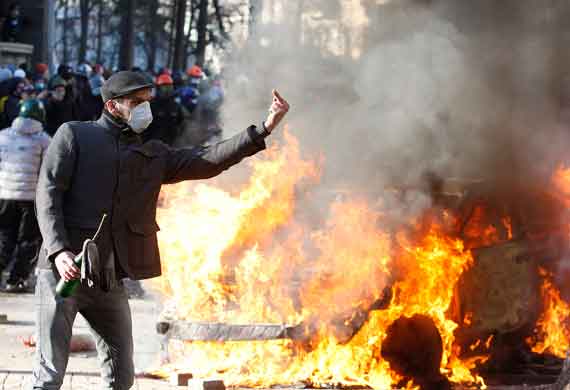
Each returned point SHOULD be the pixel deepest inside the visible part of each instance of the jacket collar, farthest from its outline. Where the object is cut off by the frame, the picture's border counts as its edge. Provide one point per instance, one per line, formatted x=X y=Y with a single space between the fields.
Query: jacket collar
x=111 y=124
x=118 y=128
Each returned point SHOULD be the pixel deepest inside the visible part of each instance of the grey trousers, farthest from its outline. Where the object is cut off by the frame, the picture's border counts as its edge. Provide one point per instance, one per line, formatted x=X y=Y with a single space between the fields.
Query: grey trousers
x=109 y=317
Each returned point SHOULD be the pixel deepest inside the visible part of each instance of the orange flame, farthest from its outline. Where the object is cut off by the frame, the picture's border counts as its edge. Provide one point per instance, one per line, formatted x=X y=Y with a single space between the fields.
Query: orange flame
x=254 y=256
x=552 y=333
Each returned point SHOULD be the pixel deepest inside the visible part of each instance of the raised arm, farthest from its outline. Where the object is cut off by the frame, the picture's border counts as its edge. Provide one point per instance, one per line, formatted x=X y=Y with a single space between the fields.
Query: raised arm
x=203 y=163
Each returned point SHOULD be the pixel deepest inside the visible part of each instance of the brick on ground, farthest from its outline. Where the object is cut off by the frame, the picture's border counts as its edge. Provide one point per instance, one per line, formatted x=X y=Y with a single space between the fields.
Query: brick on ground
x=180 y=378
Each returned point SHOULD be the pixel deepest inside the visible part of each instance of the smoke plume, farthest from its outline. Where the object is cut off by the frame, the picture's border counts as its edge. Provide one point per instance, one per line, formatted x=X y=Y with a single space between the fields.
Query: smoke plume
x=455 y=89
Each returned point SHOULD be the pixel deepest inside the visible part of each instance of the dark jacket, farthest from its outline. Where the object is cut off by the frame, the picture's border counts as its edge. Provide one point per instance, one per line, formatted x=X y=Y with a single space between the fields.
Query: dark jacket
x=60 y=112
x=98 y=167
x=168 y=119
x=11 y=110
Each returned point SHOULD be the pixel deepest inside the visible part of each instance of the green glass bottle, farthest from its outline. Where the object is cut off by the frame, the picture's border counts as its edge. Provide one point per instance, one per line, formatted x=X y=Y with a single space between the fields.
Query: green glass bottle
x=66 y=288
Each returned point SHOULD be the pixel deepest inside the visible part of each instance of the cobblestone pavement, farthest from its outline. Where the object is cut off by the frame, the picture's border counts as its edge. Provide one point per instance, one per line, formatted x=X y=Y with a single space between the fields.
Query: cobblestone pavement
x=83 y=369
x=19 y=380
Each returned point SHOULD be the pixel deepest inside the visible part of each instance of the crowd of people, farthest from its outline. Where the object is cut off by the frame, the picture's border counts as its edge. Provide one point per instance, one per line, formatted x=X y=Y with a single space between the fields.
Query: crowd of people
x=34 y=104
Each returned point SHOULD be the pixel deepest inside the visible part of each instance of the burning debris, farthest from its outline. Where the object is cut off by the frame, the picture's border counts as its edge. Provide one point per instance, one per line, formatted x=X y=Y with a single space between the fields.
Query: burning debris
x=362 y=302
x=414 y=349
x=321 y=271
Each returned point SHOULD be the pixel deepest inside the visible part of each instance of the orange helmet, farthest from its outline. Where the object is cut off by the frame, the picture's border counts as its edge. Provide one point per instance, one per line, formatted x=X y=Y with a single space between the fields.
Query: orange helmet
x=164 y=79
x=194 y=71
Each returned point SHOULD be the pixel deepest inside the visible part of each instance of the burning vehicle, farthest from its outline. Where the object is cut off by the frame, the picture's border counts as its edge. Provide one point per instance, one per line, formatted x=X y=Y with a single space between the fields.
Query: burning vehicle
x=463 y=295
x=410 y=231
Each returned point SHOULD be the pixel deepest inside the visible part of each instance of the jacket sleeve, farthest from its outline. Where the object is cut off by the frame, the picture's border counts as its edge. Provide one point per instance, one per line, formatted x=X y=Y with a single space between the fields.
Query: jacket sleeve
x=206 y=162
x=55 y=177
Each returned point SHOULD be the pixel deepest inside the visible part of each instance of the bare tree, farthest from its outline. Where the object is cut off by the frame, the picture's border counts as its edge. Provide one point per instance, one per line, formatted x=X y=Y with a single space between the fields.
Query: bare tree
x=152 y=33
x=65 y=29
x=202 y=30
x=172 y=32
x=84 y=11
x=255 y=9
x=188 y=47
x=127 y=46
x=219 y=18
x=99 y=49
x=178 y=57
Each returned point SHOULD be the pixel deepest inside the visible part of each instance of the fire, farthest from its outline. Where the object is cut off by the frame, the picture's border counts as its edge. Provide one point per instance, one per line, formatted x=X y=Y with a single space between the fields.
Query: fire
x=552 y=333
x=508 y=224
x=561 y=184
x=258 y=255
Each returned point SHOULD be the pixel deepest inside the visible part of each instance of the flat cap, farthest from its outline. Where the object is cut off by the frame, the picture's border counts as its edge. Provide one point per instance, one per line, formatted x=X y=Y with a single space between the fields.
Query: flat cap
x=124 y=83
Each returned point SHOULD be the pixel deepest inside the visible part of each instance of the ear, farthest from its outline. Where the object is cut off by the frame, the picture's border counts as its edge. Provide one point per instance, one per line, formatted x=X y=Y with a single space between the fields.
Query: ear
x=110 y=106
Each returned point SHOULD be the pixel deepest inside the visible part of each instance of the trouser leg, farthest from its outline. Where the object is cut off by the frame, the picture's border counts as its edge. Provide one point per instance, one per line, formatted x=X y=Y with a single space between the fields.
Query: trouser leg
x=9 y=223
x=27 y=243
x=109 y=317
x=54 y=324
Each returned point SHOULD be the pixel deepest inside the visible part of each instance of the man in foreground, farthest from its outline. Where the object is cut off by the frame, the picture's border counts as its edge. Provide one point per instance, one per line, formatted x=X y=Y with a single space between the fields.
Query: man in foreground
x=102 y=167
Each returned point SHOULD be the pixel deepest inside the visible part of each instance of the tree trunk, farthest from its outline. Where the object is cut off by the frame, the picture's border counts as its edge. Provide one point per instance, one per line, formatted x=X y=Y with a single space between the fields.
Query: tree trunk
x=100 y=32
x=218 y=10
x=172 y=31
x=178 y=60
x=255 y=10
x=50 y=31
x=202 y=28
x=127 y=54
x=84 y=18
x=65 y=30
x=188 y=49
x=153 y=34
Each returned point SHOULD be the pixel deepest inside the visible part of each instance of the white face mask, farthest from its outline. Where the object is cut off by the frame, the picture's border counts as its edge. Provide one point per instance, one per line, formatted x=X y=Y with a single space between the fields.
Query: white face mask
x=140 y=117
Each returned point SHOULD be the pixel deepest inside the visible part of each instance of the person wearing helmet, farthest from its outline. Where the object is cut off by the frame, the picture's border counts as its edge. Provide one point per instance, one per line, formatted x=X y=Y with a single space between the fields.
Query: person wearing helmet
x=41 y=72
x=168 y=114
x=189 y=92
x=195 y=72
x=22 y=148
x=84 y=69
x=20 y=73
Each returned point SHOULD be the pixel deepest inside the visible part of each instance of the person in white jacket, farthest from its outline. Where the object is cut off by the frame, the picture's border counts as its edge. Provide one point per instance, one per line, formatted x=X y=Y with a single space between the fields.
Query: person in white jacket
x=22 y=148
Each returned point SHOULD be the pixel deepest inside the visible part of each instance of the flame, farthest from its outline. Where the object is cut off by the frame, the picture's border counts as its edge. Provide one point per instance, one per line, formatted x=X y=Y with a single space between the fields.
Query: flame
x=561 y=184
x=552 y=333
x=508 y=224
x=489 y=341
x=255 y=256
x=483 y=229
